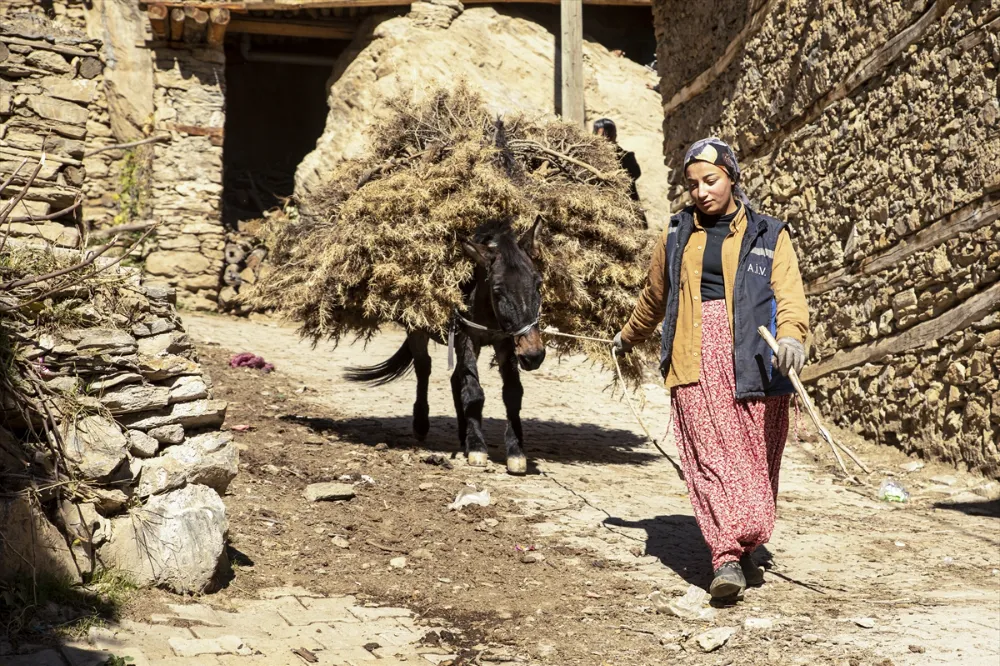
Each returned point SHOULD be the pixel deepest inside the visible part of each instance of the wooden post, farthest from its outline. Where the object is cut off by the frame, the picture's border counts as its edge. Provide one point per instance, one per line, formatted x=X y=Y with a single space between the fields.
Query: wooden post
x=176 y=24
x=195 y=24
x=158 y=20
x=571 y=15
x=218 y=20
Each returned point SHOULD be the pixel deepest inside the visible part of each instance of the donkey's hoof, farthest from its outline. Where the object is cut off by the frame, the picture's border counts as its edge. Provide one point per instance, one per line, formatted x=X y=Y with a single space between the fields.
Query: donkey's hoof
x=478 y=458
x=517 y=465
x=420 y=430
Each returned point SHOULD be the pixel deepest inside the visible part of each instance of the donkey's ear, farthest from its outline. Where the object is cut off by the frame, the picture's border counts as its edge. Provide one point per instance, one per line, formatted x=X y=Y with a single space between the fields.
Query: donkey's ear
x=481 y=254
x=529 y=241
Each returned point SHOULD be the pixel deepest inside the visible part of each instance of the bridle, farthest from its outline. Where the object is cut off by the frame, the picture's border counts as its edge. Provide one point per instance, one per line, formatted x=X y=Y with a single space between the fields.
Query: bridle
x=459 y=320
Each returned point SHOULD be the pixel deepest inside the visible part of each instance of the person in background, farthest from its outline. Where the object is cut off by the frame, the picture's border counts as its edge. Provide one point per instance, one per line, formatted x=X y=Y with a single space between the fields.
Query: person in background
x=606 y=127
x=719 y=271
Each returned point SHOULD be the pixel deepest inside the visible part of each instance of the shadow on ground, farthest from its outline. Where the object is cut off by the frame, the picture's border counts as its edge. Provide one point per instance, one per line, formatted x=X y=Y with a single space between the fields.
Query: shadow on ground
x=549 y=440
x=988 y=508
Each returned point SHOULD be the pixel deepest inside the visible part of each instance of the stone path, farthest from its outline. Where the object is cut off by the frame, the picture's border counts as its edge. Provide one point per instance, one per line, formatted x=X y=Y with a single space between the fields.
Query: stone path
x=260 y=632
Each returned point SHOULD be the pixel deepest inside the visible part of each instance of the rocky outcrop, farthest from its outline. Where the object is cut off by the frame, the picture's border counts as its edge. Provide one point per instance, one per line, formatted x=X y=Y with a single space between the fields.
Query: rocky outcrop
x=506 y=58
x=880 y=153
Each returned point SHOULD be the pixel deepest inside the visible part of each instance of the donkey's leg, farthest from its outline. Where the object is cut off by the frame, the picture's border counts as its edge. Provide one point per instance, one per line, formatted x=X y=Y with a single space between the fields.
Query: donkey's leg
x=422 y=365
x=469 y=399
x=513 y=392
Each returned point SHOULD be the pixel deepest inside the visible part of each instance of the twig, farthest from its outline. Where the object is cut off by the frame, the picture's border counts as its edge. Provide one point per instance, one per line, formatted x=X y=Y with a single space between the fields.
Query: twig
x=5 y=214
x=23 y=282
x=110 y=231
x=50 y=216
x=130 y=144
x=387 y=549
x=572 y=160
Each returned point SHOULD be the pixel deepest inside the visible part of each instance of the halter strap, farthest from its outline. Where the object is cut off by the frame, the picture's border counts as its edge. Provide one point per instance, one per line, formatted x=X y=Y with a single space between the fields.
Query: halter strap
x=468 y=323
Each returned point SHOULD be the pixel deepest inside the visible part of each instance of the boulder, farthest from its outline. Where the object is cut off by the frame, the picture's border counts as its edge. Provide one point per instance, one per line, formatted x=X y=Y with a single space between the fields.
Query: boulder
x=171 y=434
x=136 y=398
x=95 y=445
x=176 y=540
x=208 y=459
x=184 y=389
x=142 y=445
x=196 y=414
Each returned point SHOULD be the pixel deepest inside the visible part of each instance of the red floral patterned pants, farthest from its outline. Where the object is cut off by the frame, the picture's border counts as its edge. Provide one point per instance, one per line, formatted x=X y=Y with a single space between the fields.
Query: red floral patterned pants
x=730 y=449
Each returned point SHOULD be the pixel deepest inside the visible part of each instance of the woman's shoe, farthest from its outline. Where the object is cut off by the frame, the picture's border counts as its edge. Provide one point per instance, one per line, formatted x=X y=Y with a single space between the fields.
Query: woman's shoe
x=752 y=574
x=728 y=581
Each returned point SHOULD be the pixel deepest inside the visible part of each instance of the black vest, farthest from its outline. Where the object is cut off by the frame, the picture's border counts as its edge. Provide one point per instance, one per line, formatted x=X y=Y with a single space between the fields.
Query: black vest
x=754 y=303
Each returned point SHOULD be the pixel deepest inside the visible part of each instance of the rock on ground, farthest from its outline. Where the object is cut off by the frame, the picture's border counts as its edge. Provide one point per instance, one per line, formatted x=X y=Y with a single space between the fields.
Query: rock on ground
x=316 y=492
x=176 y=540
x=507 y=59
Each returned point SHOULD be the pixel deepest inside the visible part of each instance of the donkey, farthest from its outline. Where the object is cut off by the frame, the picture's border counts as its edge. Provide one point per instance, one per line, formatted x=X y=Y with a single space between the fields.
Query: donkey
x=502 y=303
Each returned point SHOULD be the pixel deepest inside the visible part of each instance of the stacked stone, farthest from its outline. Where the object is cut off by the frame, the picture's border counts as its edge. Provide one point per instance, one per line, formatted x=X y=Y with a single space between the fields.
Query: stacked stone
x=880 y=153
x=187 y=174
x=140 y=431
x=48 y=79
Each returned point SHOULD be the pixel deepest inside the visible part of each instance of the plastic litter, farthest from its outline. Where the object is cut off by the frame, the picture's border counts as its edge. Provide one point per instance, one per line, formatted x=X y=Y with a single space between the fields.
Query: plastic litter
x=468 y=496
x=692 y=606
x=892 y=490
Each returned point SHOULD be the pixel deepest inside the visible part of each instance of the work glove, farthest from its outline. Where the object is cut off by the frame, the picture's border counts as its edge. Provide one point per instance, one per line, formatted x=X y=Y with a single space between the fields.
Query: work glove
x=621 y=345
x=791 y=354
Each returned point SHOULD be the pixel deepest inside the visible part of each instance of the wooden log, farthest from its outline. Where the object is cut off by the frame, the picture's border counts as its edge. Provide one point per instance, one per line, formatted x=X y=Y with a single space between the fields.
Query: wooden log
x=234 y=253
x=90 y=68
x=176 y=24
x=158 y=21
x=218 y=22
x=195 y=25
x=571 y=20
x=328 y=29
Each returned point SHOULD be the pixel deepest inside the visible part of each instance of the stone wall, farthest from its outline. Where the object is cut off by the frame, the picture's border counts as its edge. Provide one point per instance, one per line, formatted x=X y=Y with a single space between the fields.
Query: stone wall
x=872 y=127
x=139 y=431
x=142 y=89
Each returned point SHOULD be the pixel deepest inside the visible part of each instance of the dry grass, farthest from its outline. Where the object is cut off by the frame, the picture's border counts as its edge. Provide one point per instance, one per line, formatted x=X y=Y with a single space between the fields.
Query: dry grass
x=379 y=243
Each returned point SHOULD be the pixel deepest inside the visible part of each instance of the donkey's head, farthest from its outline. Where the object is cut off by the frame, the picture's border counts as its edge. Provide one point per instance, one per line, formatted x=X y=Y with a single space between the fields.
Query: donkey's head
x=508 y=274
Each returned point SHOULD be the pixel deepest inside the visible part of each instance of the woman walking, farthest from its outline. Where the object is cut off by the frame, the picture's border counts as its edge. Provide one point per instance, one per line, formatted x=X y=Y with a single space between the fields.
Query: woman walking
x=721 y=270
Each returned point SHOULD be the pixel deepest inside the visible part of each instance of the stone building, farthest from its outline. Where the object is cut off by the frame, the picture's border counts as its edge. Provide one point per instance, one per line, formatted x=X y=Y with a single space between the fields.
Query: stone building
x=242 y=104
x=874 y=129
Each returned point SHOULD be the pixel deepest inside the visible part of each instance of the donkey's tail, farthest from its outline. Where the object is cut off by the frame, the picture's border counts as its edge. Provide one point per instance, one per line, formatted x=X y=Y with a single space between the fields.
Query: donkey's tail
x=387 y=371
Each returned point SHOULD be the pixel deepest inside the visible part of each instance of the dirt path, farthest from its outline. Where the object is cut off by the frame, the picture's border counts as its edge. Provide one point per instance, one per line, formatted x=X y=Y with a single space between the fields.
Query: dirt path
x=853 y=580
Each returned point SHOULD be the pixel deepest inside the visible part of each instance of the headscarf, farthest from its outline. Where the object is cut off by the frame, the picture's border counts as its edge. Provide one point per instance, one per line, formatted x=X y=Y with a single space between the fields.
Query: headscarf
x=716 y=151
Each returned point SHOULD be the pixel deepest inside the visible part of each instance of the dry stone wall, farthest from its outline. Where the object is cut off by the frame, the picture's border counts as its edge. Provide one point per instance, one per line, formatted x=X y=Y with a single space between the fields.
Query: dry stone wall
x=874 y=129
x=140 y=438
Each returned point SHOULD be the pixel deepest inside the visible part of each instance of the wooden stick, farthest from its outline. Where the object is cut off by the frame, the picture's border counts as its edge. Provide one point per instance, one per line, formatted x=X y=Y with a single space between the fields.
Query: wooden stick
x=158 y=20
x=130 y=144
x=176 y=24
x=218 y=22
x=813 y=414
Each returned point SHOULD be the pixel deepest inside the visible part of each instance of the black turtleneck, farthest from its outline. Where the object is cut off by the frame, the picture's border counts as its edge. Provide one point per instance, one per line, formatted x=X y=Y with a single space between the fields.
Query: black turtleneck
x=717 y=228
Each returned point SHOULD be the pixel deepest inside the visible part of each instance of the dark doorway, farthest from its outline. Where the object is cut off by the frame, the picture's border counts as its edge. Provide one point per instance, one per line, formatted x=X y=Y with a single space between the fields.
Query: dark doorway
x=276 y=109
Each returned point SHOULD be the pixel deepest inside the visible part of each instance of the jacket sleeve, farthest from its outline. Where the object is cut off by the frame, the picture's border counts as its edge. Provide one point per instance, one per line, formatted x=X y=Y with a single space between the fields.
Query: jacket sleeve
x=650 y=307
x=789 y=292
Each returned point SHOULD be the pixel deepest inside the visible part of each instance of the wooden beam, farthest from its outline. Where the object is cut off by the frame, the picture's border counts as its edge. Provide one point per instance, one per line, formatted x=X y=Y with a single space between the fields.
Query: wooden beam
x=970 y=217
x=158 y=20
x=961 y=316
x=176 y=24
x=195 y=25
x=571 y=21
x=218 y=22
x=303 y=28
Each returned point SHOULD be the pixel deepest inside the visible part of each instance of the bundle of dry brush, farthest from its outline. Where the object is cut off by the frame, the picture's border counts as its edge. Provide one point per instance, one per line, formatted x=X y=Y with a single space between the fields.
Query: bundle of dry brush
x=380 y=241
